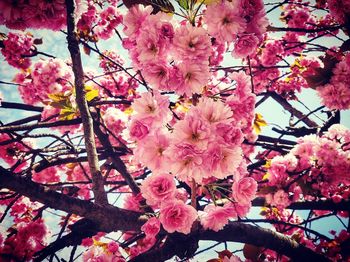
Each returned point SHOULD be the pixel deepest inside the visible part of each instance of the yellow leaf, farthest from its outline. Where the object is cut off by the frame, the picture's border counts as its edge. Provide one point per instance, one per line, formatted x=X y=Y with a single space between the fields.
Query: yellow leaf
x=100 y=244
x=267 y=164
x=91 y=95
x=67 y=114
x=128 y=111
x=131 y=92
x=71 y=165
x=57 y=97
x=266 y=176
x=60 y=100
x=258 y=123
x=182 y=107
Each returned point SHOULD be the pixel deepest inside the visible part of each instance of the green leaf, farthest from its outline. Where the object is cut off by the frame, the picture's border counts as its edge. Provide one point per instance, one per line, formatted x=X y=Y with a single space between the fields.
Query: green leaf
x=183 y=4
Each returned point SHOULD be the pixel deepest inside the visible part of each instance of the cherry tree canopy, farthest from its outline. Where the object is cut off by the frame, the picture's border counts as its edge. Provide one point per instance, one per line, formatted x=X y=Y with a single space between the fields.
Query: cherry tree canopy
x=151 y=130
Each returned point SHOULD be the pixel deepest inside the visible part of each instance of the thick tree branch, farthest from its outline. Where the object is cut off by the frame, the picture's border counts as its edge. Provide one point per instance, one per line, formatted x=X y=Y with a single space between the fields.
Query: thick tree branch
x=107 y=218
x=21 y=106
x=234 y=232
x=343 y=205
x=244 y=233
x=73 y=46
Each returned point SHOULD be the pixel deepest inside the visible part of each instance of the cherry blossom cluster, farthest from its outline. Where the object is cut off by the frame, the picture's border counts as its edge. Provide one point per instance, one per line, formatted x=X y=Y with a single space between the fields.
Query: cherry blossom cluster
x=178 y=58
x=275 y=53
x=10 y=151
x=336 y=94
x=340 y=10
x=242 y=22
x=34 y=14
x=28 y=238
x=315 y=167
x=17 y=48
x=101 y=251
x=97 y=24
x=46 y=77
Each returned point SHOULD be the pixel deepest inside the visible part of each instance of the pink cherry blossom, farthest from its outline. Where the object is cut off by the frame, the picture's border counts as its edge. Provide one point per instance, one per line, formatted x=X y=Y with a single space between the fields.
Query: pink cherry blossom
x=175 y=215
x=243 y=191
x=139 y=129
x=224 y=21
x=214 y=112
x=214 y=217
x=222 y=161
x=151 y=151
x=151 y=106
x=187 y=162
x=134 y=19
x=192 y=130
x=113 y=247
x=16 y=47
x=189 y=78
x=245 y=45
x=191 y=43
x=151 y=227
x=157 y=74
x=109 y=20
x=280 y=199
x=158 y=188
x=335 y=96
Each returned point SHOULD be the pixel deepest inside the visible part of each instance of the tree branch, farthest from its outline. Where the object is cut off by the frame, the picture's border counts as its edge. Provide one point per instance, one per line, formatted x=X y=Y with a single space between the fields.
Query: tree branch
x=244 y=233
x=343 y=205
x=295 y=112
x=73 y=46
x=107 y=218
x=10 y=128
x=117 y=162
x=21 y=106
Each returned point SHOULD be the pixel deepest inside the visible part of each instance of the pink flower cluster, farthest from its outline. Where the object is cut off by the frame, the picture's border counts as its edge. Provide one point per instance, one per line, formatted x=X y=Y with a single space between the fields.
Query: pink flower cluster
x=10 y=152
x=299 y=16
x=206 y=143
x=336 y=94
x=242 y=22
x=157 y=44
x=47 y=77
x=48 y=175
x=35 y=14
x=101 y=23
x=216 y=217
x=150 y=113
x=226 y=19
x=340 y=9
x=28 y=239
x=16 y=47
x=159 y=190
x=106 y=252
x=175 y=215
x=322 y=161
